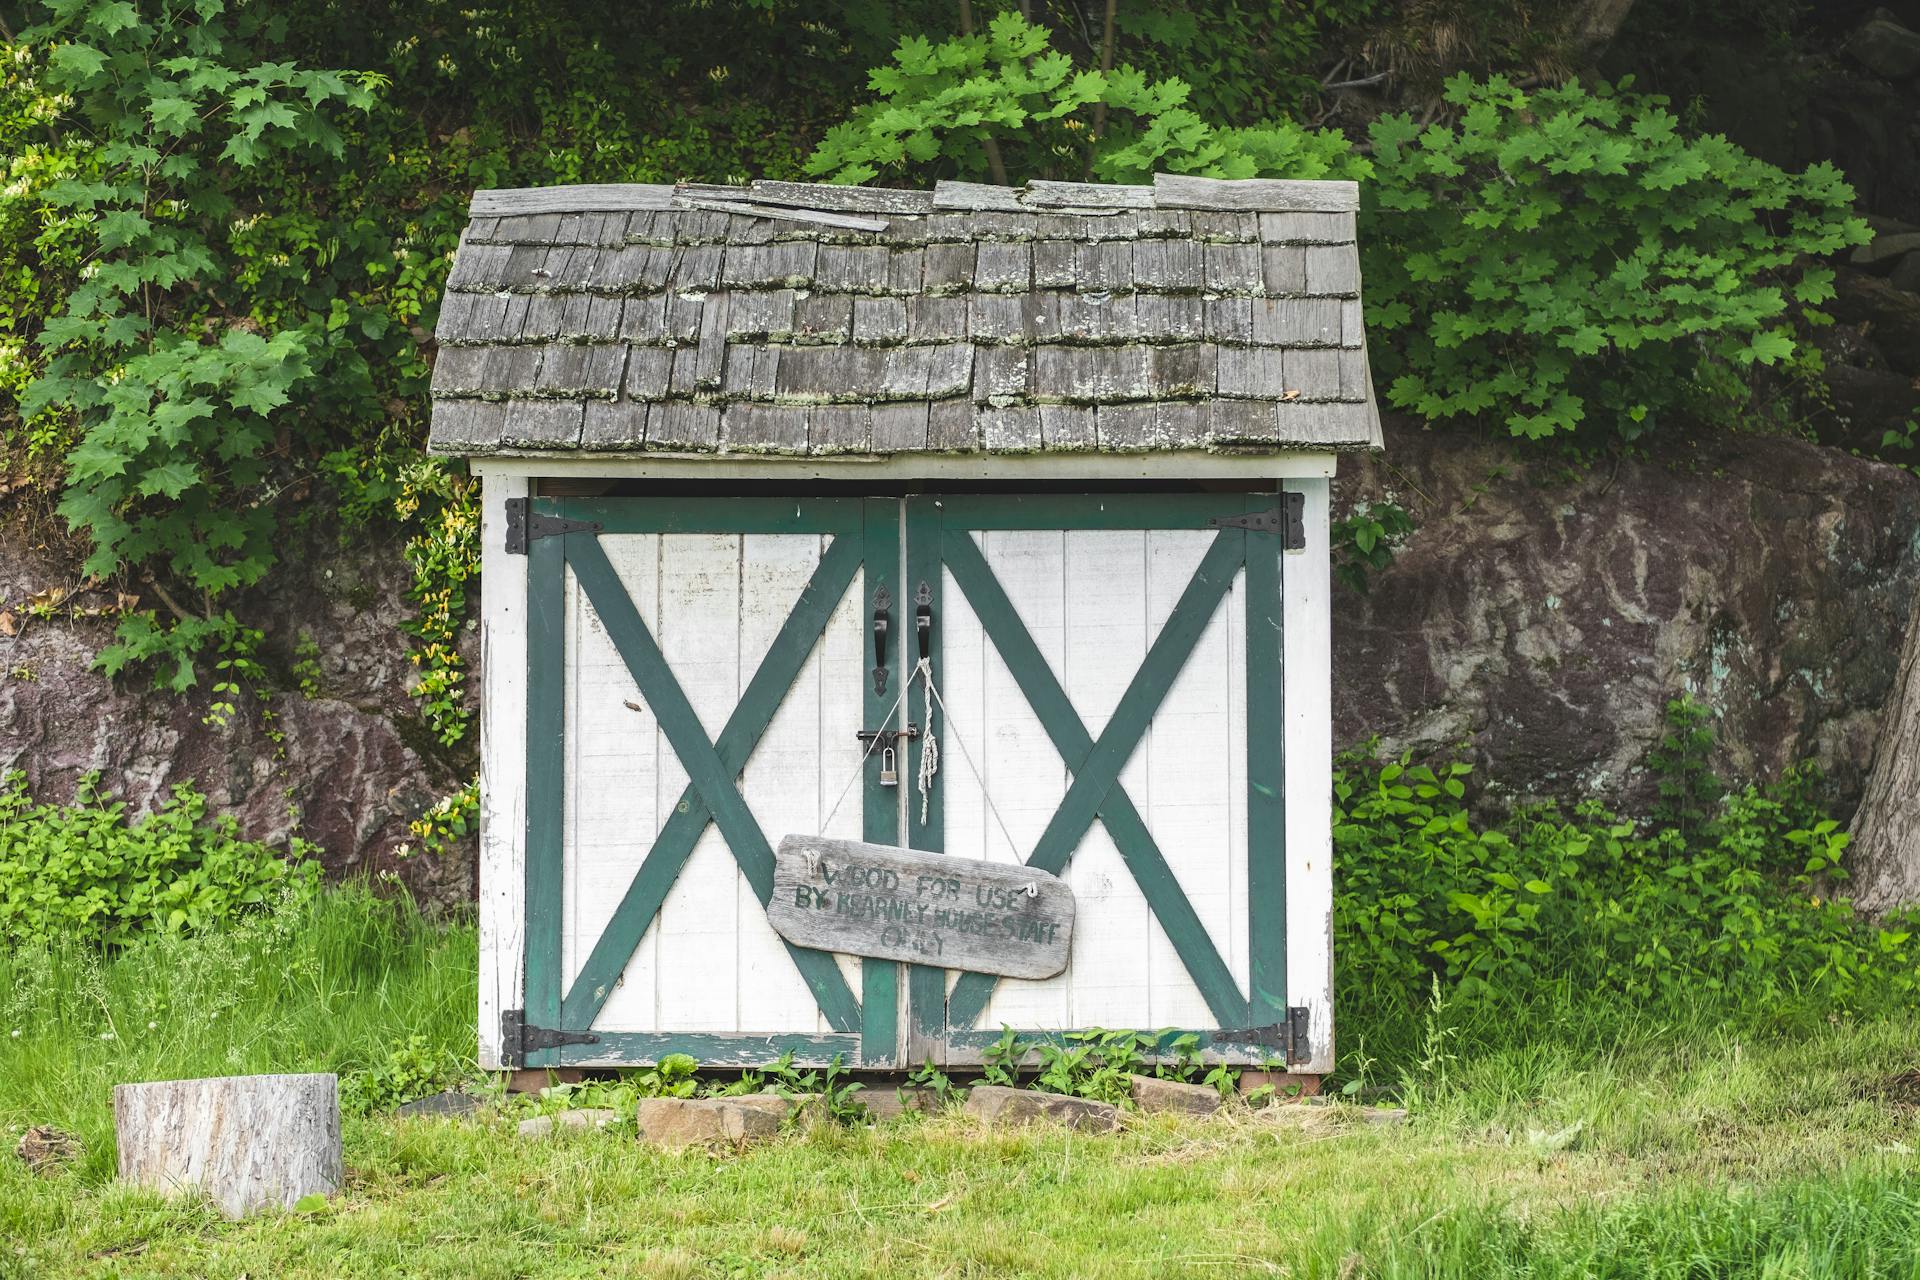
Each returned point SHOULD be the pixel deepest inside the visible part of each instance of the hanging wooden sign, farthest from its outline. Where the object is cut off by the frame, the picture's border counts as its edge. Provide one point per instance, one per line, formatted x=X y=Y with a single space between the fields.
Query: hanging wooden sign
x=925 y=908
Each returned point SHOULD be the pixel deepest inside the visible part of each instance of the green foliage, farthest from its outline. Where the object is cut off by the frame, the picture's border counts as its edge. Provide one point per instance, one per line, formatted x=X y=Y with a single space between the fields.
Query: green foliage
x=176 y=404
x=1586 y=907
x=945 y=109
x=444 y=504
x=83 y=871
x=1092 y=1064
x=1564 y=256
x=1690 y=792
x=449 y=819
x=1364 y=543
x=410 y=1070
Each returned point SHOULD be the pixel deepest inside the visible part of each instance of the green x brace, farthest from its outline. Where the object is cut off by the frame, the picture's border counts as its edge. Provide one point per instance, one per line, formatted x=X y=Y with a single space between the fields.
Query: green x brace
x=711 y=795
x=1096 y=765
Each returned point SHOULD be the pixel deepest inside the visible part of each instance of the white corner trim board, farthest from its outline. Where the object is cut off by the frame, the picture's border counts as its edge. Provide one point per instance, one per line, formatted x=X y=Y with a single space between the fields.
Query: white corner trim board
x=503 y=774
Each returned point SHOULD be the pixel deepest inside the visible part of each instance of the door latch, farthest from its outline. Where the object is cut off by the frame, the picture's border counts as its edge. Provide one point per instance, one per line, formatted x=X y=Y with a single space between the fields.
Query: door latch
x=882 y=604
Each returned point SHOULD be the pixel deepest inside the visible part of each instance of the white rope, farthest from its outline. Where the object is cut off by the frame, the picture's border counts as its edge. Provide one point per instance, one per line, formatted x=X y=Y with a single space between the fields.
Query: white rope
x=929 y=746
x=929 y=758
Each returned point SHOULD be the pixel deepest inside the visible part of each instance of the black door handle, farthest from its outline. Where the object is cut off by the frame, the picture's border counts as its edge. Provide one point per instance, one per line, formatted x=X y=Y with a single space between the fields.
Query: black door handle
x=923 y=619
x=882 y=602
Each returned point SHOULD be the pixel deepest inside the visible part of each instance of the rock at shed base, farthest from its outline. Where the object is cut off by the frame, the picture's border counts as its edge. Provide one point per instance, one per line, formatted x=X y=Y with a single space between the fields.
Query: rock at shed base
x=47 y=1150
x=678 y=1123
x=450 y=1102
x=583 y=1118
x=891 y=1104
x=1152 y=1094
x=997 y=1104
x=247 y=1142
x=1384 y=1115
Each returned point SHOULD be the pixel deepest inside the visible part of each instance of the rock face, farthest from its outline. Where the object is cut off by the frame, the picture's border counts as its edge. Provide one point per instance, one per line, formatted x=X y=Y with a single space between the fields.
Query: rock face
x=352 y=767
x=999 y=1105
x=1537 y=623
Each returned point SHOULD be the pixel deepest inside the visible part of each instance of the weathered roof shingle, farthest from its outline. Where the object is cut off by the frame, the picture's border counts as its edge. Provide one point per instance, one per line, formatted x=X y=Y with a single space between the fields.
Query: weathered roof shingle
x=789 y=318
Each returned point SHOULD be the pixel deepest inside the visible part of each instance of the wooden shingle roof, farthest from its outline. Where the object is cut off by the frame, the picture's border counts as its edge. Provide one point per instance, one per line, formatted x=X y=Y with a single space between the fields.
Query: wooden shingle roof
x=789 y=318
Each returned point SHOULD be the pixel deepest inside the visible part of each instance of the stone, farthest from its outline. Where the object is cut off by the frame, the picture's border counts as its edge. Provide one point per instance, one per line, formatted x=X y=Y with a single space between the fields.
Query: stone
x=47 y=1150
x=534 y=1079
x=344 y=772
x=892 y=1103
x=579 y=1119
x=1885 y=249
x=1894 y=315
x=1152 y=1094
x=1537 y=630
x=1000 y=1106
x=246 y=1142
x=1382 y=1115
x=450 y=1102
x=1884 y=46
x=678 y=1123
x=1906 y=273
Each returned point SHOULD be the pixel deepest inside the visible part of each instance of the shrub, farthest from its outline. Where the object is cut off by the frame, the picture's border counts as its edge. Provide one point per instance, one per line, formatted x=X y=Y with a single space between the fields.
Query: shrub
x=1563 y=255
x=82 y=869
x=1590 y=907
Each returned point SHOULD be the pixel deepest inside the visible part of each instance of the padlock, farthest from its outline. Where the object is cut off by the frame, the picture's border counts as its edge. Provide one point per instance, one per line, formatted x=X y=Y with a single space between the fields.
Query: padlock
x=889 y=773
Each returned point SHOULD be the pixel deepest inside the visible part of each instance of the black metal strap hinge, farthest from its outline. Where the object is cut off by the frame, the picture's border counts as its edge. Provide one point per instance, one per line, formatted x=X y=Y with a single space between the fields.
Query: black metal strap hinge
x=1292 y=1038
x=518 y=1039
x=1289 y=520
x=525 y=526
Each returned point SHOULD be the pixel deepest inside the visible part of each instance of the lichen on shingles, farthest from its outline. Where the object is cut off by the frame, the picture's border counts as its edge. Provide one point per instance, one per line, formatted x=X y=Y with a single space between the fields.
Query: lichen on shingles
x=790 y=319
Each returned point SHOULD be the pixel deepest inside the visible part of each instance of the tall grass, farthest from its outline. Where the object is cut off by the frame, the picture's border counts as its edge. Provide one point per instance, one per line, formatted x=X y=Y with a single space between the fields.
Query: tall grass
x=323 y=982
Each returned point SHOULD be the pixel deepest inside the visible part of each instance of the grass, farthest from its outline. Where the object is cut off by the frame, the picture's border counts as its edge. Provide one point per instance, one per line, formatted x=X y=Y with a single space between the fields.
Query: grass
x=1598 y=1147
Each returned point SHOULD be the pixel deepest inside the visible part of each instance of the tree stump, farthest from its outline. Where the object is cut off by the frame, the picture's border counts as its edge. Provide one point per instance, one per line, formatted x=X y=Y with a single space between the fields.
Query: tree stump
x=1885 y=854
x=247 y=1142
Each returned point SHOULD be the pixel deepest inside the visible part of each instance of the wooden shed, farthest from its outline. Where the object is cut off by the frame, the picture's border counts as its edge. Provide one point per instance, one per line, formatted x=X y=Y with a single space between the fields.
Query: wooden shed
x=788 y=487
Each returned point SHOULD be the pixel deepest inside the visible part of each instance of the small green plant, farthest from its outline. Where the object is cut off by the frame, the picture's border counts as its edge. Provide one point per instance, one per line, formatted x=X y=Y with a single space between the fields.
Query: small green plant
x=306 y=665
x=937 y=1082
x=1094 y=1063
x=831 y=1085
x=1364 y=543
x=409 y=1071
x=448 y=820
x=1000 y=1062
x=84 y=870
x=1689 y=789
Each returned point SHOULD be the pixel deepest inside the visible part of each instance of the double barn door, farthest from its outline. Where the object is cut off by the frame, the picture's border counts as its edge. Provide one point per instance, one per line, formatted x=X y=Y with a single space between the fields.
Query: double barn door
x=698 y=673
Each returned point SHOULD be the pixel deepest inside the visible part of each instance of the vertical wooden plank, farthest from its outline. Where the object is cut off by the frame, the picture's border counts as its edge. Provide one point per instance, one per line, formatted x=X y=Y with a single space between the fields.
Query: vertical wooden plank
x=927 y=986
x=1104 y=578
x=546 y=778
x=1307 y=645
x=1024 y=772
x=1187 y=799
x=613 y=810
x=880 y=979
x=781 y=779
x=698 y=632
x=1266 y=777
x=503 y=778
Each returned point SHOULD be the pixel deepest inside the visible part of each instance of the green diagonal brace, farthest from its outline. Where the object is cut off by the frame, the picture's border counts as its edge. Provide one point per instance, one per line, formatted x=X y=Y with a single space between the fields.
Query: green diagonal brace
x=710 y=776
x=1096 y=766
x=689 y=818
